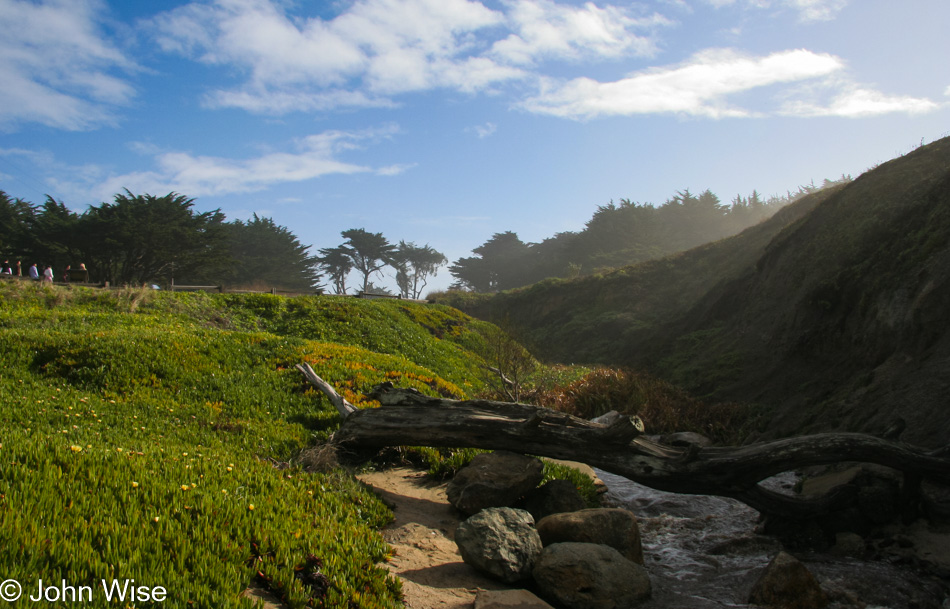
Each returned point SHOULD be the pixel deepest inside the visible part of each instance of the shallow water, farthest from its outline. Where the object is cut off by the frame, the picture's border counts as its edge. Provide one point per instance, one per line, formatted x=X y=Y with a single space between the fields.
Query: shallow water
x=703 y=552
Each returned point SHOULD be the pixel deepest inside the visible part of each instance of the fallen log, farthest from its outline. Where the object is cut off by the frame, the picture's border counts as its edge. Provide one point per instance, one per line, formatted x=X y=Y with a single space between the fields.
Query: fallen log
x=406 y=417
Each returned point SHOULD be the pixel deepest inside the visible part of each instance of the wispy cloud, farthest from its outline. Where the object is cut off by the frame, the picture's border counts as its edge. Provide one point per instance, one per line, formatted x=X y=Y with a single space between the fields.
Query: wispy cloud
x=807 y=10
x=312 y=157
x=57 y=67
x=698 y=87
x=483 y=131
x=395 y=170
x=858 y=102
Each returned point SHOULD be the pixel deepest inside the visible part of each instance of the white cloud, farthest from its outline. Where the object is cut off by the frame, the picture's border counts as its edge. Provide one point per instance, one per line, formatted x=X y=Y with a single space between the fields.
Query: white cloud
x=57 y=67
x=377 y=49
x=697 y=87
x=314 y=156
x=543 y=28
x=859 y=102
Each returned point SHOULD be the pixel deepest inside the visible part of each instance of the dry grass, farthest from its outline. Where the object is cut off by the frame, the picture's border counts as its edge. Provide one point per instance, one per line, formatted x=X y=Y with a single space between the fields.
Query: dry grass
x=663 y=407
x=321 y=458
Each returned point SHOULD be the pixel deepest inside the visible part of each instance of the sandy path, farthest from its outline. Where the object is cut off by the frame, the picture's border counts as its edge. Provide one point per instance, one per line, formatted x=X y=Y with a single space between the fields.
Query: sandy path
x=425 y=555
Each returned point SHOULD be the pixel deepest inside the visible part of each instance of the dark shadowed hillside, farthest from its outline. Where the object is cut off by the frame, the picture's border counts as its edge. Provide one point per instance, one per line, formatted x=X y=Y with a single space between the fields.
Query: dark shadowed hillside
x=833 y=314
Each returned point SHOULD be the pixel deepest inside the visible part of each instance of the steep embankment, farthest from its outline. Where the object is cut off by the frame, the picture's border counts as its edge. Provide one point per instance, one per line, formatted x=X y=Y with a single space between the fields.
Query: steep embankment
x=843 y=322
x=833 y=314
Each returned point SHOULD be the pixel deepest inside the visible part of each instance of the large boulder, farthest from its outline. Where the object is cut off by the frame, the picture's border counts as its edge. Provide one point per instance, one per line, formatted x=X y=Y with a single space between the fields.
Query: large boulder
x=614 y=527
x=553 y=497
x=590 y=576
x=788 y=584
x=497 y=479
x=508 y=599
x=500 y=542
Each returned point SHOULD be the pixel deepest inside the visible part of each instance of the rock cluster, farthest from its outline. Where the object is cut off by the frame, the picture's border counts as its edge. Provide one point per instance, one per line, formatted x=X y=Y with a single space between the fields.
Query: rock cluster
x=578 y=558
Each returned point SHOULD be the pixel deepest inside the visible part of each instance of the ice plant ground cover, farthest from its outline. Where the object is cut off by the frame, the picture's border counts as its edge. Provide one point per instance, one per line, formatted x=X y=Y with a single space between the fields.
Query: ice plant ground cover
x=141 y=430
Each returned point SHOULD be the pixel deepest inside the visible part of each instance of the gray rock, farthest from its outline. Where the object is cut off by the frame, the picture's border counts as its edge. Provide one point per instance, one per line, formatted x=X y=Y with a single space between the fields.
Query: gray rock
x=497 y=479
x=614 y=527
x=788 y=584
x=848 y=544
x=508 y=599
x=553 y=497
x=500 y=542
x=590 y=576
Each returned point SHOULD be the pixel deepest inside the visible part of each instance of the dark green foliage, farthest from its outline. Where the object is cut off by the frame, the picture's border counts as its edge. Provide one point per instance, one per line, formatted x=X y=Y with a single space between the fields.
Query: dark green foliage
x=141 y=239
x=266 y=254
x=144 y=238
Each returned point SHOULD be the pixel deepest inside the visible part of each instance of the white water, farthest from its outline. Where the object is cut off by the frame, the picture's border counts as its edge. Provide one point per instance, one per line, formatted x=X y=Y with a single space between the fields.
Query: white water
x=703 y=552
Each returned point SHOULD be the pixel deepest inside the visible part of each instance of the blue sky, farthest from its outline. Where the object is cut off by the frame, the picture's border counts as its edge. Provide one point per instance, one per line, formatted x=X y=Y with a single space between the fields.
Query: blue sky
x=445 y=121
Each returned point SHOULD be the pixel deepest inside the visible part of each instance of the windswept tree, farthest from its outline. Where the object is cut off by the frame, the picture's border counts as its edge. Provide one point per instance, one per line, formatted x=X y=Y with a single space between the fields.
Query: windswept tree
x=503 y=262
x=370 y=252
x=56 y=237
x=337 y=264
x=414 y=265
x=264 y=252
x=144 y=238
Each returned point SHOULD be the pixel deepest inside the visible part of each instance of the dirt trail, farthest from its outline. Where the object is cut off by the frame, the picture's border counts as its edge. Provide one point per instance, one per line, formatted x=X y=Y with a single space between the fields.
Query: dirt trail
x=426 y=557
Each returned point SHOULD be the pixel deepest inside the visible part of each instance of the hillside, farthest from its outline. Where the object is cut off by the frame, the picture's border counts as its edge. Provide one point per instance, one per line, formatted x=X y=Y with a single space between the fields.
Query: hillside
x=831 y=315
x=595 y=319
x=142 y=429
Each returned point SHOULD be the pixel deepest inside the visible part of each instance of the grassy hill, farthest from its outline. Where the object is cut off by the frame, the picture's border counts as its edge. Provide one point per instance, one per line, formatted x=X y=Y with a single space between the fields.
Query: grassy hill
x=142 y=430
x=832 y=315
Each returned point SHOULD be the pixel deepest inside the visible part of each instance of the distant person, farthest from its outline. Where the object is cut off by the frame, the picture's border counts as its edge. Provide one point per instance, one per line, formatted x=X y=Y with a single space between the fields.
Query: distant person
x=6 y=270
x=48 y=274
x=83 y=272
x=66 y=273
x=19 y=270
x=34 y=272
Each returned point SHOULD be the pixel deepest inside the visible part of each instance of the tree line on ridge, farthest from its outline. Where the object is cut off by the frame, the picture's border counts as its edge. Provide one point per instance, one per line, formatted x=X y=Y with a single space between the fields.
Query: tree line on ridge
x=142 y=239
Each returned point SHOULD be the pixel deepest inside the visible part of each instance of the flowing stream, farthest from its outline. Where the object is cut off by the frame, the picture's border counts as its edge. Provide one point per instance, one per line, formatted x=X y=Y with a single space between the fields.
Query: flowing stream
x=704 y=552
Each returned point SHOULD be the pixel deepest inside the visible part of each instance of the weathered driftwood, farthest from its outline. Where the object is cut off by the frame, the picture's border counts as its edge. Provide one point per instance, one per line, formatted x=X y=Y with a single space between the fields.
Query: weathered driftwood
x=409 y=418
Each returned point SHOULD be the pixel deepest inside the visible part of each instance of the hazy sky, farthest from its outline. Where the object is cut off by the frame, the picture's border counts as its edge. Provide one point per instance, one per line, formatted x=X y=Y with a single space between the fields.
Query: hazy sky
x=445 y=121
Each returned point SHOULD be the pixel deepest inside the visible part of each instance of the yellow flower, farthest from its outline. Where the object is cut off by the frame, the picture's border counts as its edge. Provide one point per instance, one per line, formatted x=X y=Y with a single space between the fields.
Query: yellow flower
x=135 y=484
x=229 y=469
x=185 y=487
x=251 y=507
x=75 y=448
x=155 y=519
